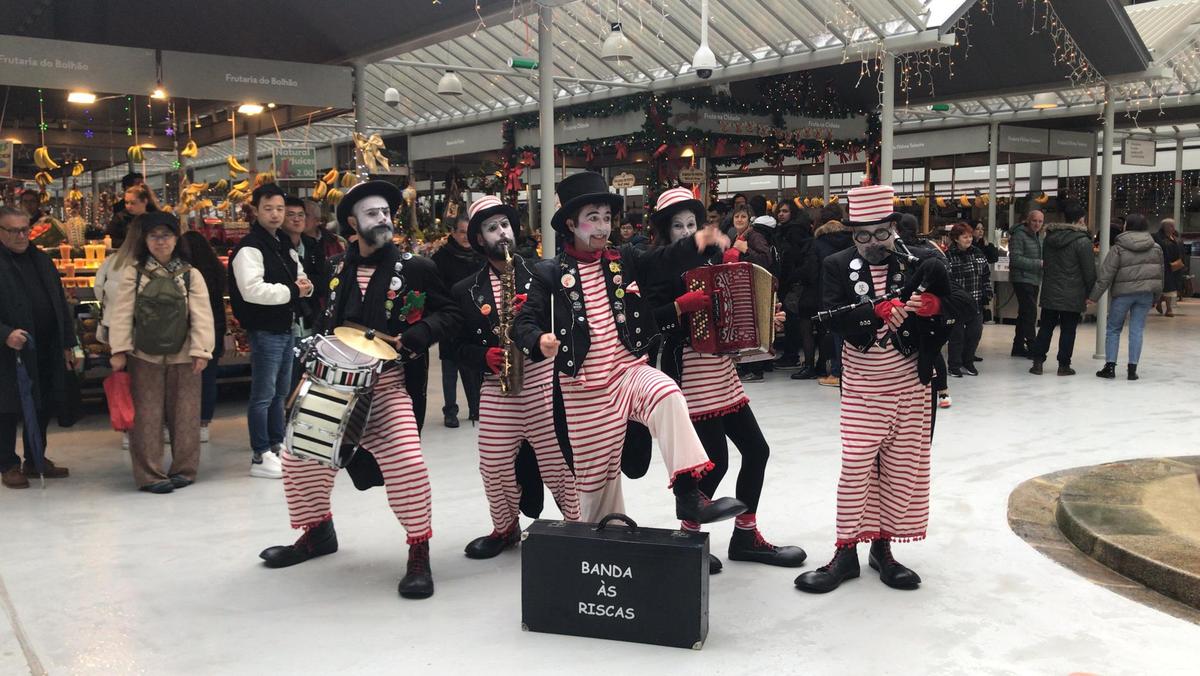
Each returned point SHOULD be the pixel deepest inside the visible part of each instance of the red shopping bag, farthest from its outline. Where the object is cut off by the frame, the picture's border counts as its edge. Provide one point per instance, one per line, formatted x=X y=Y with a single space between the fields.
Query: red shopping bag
x=120 y=400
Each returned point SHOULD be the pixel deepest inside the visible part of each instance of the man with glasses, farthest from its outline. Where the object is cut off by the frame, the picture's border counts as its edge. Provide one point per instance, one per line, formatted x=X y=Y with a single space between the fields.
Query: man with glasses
x=265 y=287
x=894 y=306
x=314 y=266
x=35 y=324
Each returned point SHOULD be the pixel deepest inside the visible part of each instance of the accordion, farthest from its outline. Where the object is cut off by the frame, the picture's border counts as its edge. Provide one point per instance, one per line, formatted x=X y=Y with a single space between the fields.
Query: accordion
x=741 y=320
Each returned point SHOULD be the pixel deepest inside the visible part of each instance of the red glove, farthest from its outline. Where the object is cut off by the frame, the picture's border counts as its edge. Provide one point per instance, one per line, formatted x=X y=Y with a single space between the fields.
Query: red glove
x=732 y=255
x=519 y=302
x=931 y=305
x=693 y=301
x=883 y=309
x=495 y=357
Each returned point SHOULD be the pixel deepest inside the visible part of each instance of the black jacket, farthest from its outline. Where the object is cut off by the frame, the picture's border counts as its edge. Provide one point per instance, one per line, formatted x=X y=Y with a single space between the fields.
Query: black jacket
x=479 y=329
x=923 y=336
x=632 y=315
x=454 y=264
x=662 y=286
x=315 y=265
x=16 y=313
x=278 y=268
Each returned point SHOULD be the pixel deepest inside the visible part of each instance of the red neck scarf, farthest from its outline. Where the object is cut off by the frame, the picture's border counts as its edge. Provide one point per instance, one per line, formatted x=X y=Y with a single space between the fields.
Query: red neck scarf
x=582 y=256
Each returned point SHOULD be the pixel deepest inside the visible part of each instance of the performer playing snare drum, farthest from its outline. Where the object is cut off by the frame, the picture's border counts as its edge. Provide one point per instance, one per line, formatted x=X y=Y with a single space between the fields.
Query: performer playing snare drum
x=395 y=294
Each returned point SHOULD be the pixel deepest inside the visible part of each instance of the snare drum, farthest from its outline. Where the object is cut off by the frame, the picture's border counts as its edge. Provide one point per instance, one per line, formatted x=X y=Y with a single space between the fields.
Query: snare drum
x=326 y=422
x=338 y=366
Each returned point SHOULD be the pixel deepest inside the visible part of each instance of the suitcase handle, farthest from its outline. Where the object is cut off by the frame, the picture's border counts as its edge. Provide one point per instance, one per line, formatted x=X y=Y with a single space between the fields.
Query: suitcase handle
x=617 y=516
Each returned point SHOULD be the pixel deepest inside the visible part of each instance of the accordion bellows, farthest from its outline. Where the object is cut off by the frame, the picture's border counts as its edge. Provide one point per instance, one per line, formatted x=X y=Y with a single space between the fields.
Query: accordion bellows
x=741 y=320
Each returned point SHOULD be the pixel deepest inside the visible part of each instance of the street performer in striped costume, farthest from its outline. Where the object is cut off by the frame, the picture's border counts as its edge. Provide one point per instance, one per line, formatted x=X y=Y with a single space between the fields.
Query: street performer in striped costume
x=396 y=294
x=717 y=405
x=506 y=421
x=894 y=306
x=585 y=312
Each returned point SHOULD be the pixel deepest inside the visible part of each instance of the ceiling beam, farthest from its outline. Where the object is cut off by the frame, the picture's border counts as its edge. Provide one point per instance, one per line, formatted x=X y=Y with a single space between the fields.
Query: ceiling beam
x=791 y=29
x=912 y=19
x=833 y=30
x=849 y=4
x=500 y=16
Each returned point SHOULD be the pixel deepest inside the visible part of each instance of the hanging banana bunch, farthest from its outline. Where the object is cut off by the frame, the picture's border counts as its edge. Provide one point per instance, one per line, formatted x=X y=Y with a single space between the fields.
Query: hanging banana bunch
x=320 y=190
x=190 y=150
x=135 y=154
x=77 y=169
x=43 y=178
x=330 y=177
x=221 y=186
x=41 y=157
x=235 y=167
x=349 y=180
x=334 y=196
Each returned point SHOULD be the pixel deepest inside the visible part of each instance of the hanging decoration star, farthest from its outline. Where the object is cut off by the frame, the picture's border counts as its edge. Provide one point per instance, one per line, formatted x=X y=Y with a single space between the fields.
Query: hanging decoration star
x=129 y=131
x=170 y=131
x=88 y=133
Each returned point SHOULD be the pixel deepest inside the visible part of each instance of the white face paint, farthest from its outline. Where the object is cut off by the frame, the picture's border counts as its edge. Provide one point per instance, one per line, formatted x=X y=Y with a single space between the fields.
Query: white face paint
x=494 y=232
x=683 y=224
x=593 y=227
x=373 y=220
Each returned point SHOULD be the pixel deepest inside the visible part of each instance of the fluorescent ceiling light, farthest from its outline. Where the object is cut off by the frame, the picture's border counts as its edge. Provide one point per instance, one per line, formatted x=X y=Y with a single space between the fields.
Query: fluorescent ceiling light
x=81 y=97
x=250 y=109
x=1045 y=101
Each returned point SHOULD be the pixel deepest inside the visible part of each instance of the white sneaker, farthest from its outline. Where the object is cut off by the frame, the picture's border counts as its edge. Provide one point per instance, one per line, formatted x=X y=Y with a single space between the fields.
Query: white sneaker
x=267 y=466
x=124 y=441
x=204 y=434
x=166 y=436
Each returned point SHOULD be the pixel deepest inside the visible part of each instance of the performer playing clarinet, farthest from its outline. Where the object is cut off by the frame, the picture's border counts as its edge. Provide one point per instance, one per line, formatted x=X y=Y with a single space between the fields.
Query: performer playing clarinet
x=395 y=294
x=525 y=412
x=895 y=310
x=718 y=406
x=585 y=313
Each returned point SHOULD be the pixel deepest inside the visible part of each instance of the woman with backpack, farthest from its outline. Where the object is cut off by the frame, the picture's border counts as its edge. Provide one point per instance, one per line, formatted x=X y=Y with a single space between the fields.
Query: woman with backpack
x=161 y=329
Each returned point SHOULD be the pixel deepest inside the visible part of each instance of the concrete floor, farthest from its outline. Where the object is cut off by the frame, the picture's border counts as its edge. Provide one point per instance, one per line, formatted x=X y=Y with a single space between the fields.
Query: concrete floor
x=99 y=579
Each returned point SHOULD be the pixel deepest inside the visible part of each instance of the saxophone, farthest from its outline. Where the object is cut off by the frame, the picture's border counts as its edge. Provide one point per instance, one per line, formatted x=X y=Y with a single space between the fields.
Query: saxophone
x=512 y=364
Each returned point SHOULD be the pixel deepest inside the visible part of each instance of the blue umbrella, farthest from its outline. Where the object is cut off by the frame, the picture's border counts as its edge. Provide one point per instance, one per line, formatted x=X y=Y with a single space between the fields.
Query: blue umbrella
x=33 y=431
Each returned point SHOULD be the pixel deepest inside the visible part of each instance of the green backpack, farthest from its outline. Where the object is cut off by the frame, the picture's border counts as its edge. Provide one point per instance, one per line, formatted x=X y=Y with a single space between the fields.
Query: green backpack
x=160 y=312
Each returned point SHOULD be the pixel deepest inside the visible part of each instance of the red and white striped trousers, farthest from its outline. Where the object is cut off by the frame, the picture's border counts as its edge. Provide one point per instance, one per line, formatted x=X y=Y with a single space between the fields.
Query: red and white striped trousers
x=884 y=488
x=596 y=418
x=391 y=436
x=503 y=423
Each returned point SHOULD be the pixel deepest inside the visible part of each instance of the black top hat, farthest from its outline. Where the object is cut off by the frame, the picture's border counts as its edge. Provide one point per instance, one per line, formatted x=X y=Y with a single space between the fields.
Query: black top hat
x=484 y=208
x=577 y=190
x=345 y=208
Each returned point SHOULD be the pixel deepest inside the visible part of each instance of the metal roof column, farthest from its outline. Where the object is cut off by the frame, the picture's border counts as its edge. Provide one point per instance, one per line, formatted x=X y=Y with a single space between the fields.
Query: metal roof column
x=360 y=98
x=993 y=160
x=1105 y=211
x=1178 y=211
x=546 y=123
x=887 y=118
x=825 y=181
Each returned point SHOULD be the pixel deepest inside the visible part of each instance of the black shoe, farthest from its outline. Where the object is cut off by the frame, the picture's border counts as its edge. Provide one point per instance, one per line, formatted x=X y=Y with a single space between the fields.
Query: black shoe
x=1066 y=371
x=749 y=545
x=843 y=566
x=1132 y=372
x=1109 y=371
x=976 y=359
x=753 y=378
x=787 y=363
x=179 y=481
x=451 y=420
x=693 y=506
x=160 y=487
x=970 y=370
x=319 y=540
x=1036 y=369
x=805 y=373
x=417 y=582
x=491 y=545
x=956 y=372
x=1020 y=352
x=891 y=572
x=714 y=565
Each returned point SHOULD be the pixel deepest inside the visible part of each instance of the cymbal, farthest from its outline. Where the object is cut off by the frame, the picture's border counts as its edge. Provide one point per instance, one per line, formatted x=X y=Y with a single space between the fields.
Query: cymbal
x=366 y=341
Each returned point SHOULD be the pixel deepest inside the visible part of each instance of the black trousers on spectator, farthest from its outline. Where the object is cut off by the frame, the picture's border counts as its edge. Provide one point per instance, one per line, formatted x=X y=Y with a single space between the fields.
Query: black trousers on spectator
x=471 y=385
x=939 y=381
x=1026 y=316
x=798 y=335
x=1068 y=322
x=8 y=437
x=964 y=340
x=742 y=429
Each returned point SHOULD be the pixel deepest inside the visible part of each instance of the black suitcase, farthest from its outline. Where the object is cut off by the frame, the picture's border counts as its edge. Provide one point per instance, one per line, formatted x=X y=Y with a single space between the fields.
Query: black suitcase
x=646 y=585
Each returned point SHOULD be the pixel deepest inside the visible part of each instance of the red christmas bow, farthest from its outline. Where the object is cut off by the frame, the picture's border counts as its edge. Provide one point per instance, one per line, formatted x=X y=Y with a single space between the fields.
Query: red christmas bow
x=622 y=150
x=527 y=158
x=588 y=153
x=513 y=180
x=720 y=148
x=661 y=149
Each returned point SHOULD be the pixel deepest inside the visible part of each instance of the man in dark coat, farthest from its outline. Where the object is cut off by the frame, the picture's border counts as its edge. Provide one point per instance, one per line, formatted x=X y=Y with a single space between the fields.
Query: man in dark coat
x=37 y=325
x=1067 y=277
x=456 y=261
x=831 y=237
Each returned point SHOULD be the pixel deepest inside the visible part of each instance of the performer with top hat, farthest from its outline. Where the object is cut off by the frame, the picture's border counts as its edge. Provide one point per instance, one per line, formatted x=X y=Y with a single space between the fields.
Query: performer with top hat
x=525 y=412
x=585 y=312
x=400 y=297
x=894 y=306
x=718 y=407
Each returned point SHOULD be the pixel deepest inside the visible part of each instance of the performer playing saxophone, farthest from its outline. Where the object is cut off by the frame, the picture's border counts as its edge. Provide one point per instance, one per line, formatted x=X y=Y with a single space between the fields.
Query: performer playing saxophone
x=516 y=402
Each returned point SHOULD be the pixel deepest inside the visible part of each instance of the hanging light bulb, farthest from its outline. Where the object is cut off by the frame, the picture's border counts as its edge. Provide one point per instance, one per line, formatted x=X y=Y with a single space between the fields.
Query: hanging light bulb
x=450 y=85
x=617 y=47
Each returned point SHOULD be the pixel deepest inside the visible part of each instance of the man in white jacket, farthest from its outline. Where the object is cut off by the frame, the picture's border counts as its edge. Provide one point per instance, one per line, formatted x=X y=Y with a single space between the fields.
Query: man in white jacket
x=265 y=282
